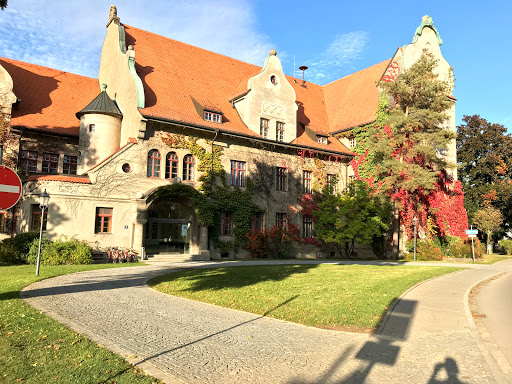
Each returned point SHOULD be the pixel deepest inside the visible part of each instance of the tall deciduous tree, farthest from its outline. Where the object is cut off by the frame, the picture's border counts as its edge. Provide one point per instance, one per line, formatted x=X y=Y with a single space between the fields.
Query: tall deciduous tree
x=484 y=152
x=355 y=215
x=488 y=220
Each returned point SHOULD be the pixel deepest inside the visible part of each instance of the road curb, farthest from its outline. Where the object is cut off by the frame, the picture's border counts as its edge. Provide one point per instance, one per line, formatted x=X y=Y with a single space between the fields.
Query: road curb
x=493 y=356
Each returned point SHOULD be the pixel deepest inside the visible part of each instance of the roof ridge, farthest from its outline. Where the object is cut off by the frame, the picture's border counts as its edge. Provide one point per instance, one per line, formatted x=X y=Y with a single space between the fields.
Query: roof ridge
x=358 y=72
x=13 y=61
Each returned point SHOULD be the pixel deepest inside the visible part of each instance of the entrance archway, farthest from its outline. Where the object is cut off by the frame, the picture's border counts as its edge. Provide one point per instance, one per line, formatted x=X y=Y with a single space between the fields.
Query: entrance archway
x=170 y=227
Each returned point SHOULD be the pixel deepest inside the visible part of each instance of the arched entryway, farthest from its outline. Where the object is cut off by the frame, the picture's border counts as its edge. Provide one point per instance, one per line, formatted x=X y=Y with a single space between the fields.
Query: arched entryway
x=170 y=227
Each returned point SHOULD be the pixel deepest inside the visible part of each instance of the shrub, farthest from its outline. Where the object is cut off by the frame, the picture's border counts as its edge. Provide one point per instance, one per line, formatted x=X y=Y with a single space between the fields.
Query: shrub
x=15 y=250
x=507 y=245
x=459 y=248
x=258 y=243
x=425 y=251
x=61 y=252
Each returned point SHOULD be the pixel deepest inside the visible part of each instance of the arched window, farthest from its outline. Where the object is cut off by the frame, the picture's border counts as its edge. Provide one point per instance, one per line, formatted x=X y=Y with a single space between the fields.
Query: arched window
x=154 y=163
x=171 y=165
x=188 y=168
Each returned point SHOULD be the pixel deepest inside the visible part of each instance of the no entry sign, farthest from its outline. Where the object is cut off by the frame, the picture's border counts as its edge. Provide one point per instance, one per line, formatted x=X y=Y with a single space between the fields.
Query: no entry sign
x=10 y=187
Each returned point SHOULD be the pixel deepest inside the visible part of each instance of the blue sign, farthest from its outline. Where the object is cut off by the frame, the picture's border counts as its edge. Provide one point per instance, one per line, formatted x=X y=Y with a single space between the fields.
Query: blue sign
x=471 y=231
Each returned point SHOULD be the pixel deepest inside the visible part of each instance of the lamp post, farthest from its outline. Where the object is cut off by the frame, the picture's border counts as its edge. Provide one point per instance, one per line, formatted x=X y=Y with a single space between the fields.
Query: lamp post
x=43 y=204
x=415 y=223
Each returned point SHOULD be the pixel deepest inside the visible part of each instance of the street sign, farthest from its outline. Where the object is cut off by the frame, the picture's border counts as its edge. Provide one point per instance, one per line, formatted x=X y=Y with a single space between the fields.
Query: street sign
x=471 y=231
x=10 y=187
x=471 y=235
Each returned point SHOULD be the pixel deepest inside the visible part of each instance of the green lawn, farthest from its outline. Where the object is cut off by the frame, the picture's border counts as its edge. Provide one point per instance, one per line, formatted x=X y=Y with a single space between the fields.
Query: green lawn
x=37 y=349
x=328 y=296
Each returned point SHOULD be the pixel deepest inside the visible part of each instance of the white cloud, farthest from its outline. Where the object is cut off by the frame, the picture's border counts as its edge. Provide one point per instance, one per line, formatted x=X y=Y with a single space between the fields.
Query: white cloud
x=68 y=35
x=334 y=60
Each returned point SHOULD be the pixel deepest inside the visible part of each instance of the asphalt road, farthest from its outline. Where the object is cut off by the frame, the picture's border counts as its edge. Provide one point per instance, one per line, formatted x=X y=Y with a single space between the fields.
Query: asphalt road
x=494 y=300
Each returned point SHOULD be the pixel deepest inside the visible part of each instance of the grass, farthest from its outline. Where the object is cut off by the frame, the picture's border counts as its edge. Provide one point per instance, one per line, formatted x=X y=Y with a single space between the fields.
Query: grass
x=37 y=349
x=326 y=296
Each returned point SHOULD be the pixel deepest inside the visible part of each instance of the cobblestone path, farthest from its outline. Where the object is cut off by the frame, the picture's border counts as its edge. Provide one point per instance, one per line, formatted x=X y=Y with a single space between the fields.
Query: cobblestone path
x=180 y=340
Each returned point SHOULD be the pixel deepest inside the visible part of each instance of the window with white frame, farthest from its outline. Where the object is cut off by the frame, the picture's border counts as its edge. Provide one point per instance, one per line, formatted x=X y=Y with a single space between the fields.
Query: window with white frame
x=332 y=182
x=171 y=165
x=264 y=127
x=69 y=165
x=279 y=131
x=189 y=165
x=50 y=163
x=28 y=162
x=322 y=139
x=103 y=222
x=212 y=116
x=307 y=181
x=352 y=142
x=154 y=158
x=281 y=219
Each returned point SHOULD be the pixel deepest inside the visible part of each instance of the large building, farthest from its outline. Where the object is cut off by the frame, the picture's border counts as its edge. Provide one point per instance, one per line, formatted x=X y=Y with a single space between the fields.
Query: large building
x=111 y=151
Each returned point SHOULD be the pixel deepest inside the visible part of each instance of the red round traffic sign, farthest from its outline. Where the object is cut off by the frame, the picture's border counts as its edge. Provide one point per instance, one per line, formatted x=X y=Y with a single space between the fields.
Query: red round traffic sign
x=10 y=187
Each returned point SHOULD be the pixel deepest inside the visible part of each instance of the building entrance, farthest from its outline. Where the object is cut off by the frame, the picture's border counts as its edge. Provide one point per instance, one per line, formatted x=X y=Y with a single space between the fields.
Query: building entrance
x=168 y=229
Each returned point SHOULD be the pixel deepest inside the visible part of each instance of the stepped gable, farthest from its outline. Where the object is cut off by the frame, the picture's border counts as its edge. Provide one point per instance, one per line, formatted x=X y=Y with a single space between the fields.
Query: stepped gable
x=49 y=97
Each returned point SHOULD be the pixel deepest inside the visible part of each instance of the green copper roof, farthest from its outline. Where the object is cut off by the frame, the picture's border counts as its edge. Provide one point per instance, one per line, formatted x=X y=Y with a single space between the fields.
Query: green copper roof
x=101 y=104
x=427 y=22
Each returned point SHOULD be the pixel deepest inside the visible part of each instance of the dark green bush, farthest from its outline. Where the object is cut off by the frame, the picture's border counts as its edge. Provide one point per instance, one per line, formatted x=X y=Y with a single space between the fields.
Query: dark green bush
x=61 y=251
x=15 y=250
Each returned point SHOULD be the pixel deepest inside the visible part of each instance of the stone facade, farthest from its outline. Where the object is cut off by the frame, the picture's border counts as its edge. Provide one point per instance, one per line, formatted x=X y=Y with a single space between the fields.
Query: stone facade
x=269 y=123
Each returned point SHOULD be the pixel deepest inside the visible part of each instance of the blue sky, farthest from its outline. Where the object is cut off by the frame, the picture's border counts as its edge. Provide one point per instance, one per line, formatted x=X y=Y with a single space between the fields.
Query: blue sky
x=333 y=38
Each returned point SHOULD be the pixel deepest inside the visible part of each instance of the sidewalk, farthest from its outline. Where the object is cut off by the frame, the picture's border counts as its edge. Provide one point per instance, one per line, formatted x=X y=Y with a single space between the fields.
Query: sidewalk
x=425 y=339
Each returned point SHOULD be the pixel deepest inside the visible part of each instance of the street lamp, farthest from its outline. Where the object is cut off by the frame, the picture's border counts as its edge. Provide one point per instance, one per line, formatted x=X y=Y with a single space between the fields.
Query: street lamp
x=415 y=223
x=43 y=204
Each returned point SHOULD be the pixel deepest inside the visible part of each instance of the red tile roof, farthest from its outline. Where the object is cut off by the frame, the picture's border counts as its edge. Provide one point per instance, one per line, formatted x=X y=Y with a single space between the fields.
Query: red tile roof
x=174 y=73
x=68 y=178
x=49 y=97
x=353 y=100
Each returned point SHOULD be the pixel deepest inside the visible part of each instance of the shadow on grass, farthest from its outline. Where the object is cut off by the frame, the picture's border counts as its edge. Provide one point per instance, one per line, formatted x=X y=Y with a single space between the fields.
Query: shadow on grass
x=232 y=277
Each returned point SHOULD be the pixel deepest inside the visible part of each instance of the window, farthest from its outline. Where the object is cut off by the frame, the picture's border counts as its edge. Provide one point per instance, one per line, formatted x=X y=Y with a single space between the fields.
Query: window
x=281 y=177
x=50 y=163
x=307 y=226
x=103 y=220
x=279 y=131
x=210 y=116
x=69 y=165
x=154 y=163
x=226 y=225
x=264 y=127
x=3 y=221
x=352 y=142
x=188 y=168
x=238 y=173
x=35 y=222
x=280 y=219
x=257 y=221
x=351 y=179
x=306 y=181
x=92 y=127
x=322 y=139
x=332 y=181
x=171 y=165
x=28 y=162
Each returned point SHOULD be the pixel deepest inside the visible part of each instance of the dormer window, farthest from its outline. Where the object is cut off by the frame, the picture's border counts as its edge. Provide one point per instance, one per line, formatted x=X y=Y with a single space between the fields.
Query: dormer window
x=352 y=142
x=322 y=139
x=211 y=116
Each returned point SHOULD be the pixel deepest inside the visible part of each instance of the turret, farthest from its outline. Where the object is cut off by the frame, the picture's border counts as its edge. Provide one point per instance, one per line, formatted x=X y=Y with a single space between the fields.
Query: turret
x=100 y=130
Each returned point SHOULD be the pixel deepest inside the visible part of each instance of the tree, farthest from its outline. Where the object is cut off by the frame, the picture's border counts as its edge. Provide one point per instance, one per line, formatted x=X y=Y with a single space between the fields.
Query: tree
x=488 y=220
x=355 y=215
x=406 y=147
x=484 y=152
x=3 y=4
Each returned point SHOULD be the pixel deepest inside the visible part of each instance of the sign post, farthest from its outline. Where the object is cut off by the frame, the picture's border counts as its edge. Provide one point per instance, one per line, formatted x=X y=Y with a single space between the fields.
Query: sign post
x=472 y=233
x=10 y=188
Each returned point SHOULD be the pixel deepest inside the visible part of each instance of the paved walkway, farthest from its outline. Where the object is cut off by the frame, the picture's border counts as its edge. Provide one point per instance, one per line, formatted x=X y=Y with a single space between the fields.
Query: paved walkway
x=426 y=339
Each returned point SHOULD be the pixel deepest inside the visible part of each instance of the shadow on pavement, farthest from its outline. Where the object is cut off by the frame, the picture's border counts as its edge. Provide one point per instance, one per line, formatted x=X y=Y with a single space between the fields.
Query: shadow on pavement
x=450 y=370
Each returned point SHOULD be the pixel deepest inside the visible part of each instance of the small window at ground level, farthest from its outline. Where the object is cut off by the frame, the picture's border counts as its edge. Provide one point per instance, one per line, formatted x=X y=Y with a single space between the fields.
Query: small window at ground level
x=103 y=222
x=226 y=224
x=307 y=226
x=281 y=219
